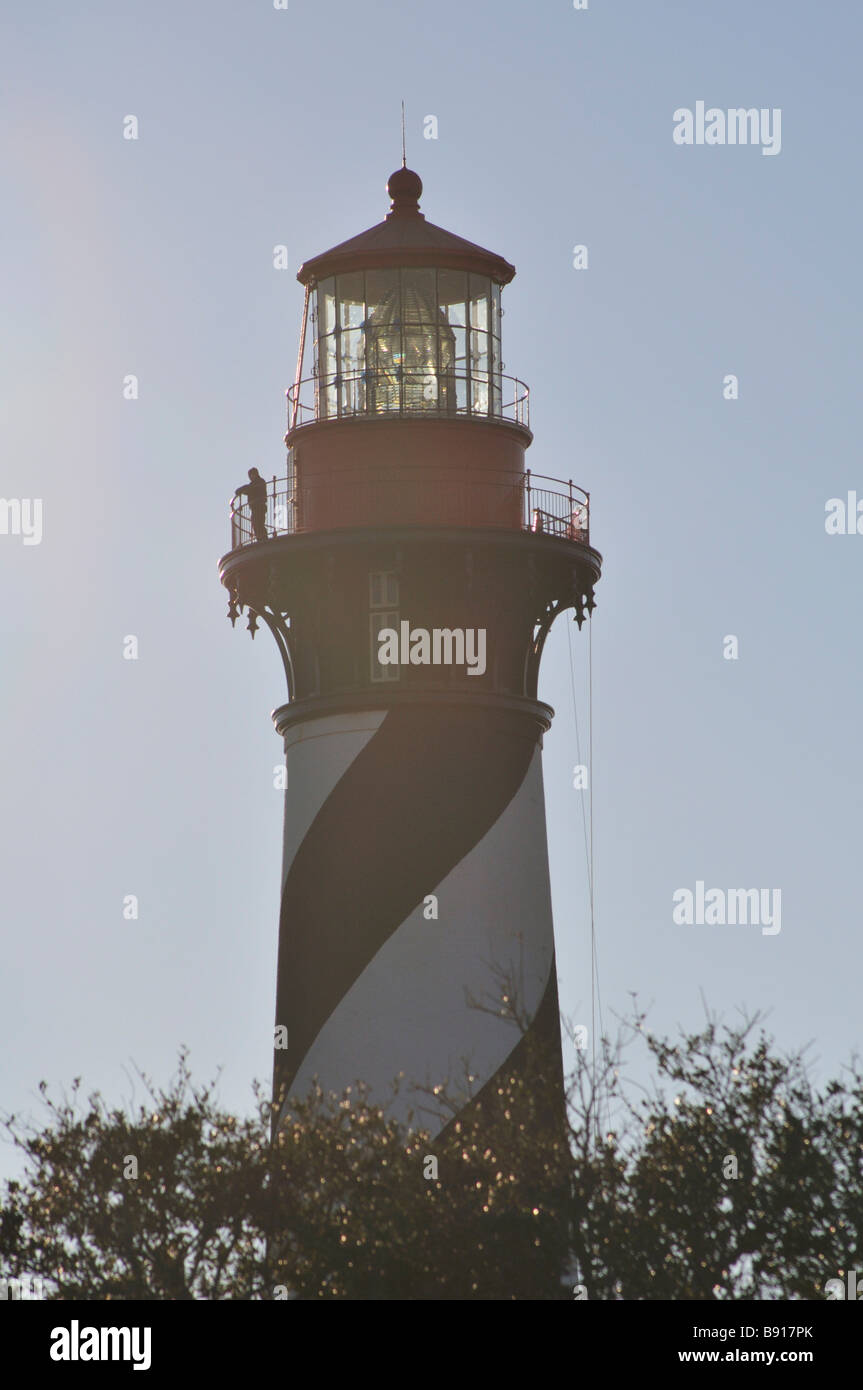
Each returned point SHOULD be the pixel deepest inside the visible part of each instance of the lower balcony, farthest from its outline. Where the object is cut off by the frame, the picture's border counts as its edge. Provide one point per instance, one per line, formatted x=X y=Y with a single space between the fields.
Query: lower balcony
x=533 y=502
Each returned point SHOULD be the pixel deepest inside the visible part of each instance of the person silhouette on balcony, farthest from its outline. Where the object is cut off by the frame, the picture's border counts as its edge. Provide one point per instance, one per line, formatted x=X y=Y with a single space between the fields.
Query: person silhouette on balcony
x=256 y=489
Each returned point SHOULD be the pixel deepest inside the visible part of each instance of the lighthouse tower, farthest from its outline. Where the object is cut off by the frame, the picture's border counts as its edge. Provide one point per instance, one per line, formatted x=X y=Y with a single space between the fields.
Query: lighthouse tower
x=410 y=570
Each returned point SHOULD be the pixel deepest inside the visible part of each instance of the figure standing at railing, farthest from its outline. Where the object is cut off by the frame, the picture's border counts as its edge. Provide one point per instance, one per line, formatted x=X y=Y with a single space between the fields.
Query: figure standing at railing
x=578 y=521
x=256 y=490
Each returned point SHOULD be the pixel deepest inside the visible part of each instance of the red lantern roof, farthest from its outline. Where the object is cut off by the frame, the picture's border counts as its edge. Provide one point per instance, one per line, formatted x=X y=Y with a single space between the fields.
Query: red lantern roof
x=405 y=238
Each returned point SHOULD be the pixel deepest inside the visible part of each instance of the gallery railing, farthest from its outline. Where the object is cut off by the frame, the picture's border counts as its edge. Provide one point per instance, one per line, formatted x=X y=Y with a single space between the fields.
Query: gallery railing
x=402 y=391
x=547 y=506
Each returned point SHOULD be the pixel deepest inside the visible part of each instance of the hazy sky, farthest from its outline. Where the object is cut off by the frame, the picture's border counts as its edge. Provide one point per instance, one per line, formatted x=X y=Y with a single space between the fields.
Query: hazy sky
x=154 y=257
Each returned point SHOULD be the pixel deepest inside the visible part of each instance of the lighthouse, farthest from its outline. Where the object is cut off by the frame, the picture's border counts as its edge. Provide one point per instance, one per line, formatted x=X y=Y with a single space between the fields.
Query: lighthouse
x=409 y=567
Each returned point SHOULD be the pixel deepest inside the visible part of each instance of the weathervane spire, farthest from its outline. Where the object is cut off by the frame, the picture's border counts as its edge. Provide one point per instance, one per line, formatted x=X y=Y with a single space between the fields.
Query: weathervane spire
x=404 y=152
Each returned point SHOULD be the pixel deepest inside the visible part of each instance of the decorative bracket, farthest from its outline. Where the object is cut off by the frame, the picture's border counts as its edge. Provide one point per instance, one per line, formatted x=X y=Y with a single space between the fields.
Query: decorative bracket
x=278 y=625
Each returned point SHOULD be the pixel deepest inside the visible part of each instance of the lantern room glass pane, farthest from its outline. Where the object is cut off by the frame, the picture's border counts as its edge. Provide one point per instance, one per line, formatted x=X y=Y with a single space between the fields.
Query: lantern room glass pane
x=496 y=361
x=351 y=297
x=495 y=309
x=479 y=358
x=351 y=379
x=384 y=353
x=479 y=397
x=452 y=296
x=495 y=377
x=418 y=298
x=479 y=362
x=350 y=342
x=327 y=356
x=379 y=285
x=480 y=291
x=460 y=352
x=419 y=340
x=326 y=306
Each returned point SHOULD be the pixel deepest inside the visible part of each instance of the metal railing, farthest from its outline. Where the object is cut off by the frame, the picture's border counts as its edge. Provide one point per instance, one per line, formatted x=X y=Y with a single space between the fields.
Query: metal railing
x=367 y=395
x=565 y=514
x=422 y=496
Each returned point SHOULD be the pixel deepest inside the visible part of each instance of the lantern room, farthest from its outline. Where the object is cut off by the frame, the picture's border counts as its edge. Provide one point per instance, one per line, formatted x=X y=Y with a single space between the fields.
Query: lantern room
x=406 y=319
x=402 y=325
x=408 y=340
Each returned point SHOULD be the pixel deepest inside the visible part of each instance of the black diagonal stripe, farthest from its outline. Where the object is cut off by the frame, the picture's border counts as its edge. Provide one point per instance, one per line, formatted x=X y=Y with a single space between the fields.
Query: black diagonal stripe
x=423 y=792
x=527 y=1241
x=535 y=1061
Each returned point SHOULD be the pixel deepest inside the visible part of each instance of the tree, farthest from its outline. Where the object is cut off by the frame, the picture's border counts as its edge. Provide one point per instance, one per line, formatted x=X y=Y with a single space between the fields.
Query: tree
x=743 y=1183
x=747 y=1183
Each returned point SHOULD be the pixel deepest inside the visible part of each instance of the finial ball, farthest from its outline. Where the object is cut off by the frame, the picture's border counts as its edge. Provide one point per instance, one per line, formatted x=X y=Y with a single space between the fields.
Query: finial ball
x=404 y=187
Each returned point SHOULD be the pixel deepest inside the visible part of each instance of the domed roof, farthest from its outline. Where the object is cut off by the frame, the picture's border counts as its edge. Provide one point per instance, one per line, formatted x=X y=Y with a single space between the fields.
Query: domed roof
x=405 y=238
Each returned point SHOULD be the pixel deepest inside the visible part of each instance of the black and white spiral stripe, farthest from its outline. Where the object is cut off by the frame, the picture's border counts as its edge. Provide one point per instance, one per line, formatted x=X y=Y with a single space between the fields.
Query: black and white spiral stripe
x=383 y=809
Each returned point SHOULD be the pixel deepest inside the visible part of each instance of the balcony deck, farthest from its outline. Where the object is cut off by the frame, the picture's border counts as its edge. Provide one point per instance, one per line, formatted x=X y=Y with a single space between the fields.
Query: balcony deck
x=534 y=503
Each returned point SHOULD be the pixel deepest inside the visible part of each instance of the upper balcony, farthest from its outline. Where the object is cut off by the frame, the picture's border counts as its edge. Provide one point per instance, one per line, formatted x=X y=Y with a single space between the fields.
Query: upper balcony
x=422 y=394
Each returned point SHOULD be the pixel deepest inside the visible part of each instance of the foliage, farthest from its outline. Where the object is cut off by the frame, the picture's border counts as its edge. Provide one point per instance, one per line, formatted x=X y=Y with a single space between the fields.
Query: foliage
x=527 y=1203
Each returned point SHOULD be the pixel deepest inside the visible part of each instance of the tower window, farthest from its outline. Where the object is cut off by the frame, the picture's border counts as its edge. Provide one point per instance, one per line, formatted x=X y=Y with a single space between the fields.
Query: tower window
x=383 y=589
x=383 y=613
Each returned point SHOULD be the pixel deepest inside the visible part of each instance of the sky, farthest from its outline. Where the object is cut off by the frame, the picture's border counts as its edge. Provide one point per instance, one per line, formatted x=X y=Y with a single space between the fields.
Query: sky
x=153 y=257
